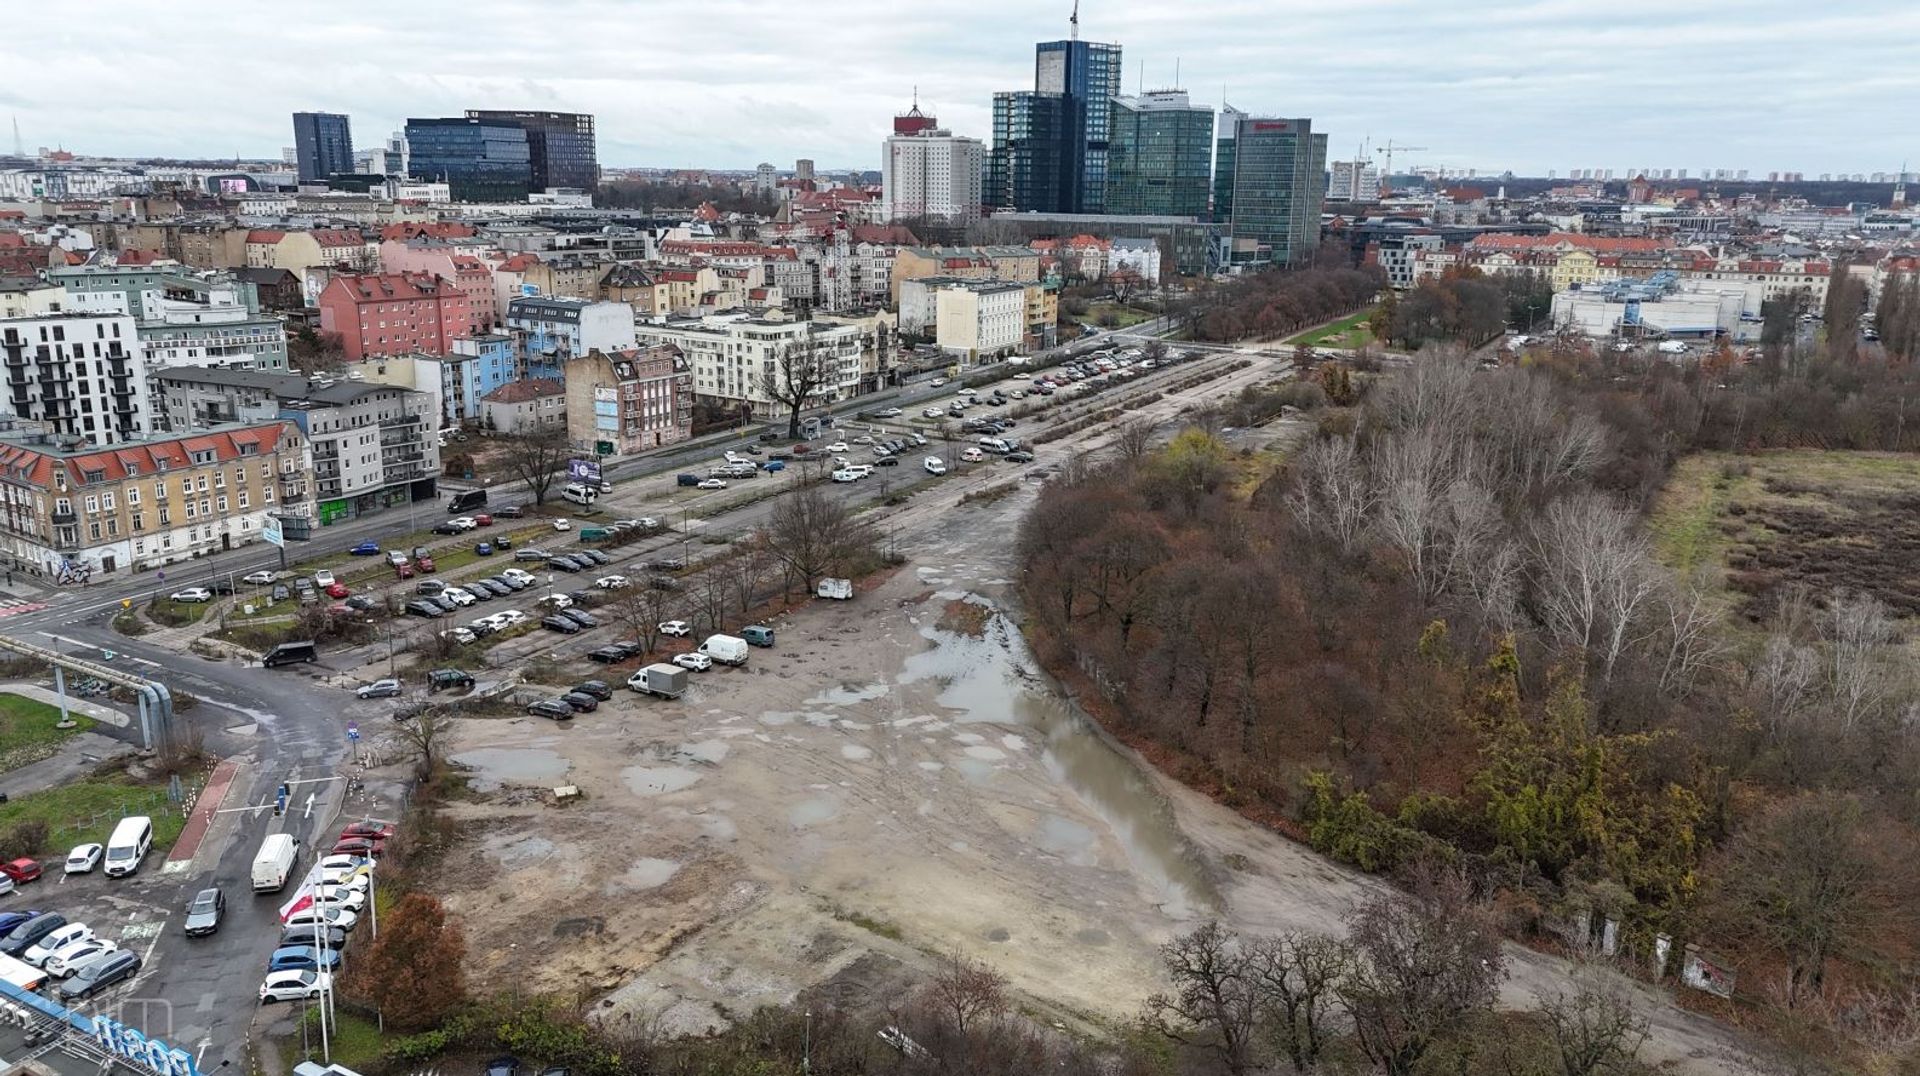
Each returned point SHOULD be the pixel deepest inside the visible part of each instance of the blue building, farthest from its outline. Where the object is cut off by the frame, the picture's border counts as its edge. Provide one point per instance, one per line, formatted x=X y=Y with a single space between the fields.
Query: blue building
x=322 y=145
x=1086 y=74
x=1024 y=167
x=479 y=160
x=475 y=367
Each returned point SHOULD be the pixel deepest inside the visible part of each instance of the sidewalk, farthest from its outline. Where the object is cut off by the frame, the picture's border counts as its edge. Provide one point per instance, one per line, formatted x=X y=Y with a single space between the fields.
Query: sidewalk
x=75 y=704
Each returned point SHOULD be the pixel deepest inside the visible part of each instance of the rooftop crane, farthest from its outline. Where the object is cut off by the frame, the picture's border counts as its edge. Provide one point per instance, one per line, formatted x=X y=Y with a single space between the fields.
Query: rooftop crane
x=1386 y=174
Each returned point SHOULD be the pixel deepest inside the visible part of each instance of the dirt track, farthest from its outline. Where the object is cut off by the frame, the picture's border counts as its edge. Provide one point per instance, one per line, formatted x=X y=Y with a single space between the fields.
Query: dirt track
x=873 y=791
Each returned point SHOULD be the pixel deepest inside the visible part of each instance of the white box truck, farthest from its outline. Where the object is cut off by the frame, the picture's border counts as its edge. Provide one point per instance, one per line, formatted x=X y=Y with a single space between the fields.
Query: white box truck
x=274 y=863
x=666 y=681
x=837 y=589
x=725 y=649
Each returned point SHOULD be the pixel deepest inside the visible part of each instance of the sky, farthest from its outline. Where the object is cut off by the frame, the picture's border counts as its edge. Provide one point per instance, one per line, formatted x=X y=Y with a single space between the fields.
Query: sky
x=1525 y=85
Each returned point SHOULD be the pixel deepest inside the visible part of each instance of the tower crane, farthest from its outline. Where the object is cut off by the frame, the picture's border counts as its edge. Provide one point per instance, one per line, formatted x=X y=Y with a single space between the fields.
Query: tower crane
x=1386 y=174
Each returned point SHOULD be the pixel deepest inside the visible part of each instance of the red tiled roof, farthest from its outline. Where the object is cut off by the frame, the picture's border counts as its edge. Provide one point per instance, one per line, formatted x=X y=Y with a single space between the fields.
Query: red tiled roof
x=514 y=392
x=175 y=453
x=265 y=235
x=338 y=237
x=519 y=263
x=383 y=287
x=138 y=257
x=898 y=234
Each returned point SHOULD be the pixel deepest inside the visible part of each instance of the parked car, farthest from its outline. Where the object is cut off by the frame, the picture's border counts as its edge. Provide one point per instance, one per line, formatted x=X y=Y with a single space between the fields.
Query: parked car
x=713 y=483
x=483 y=549
x=613 y=582
x=677 y=628
x=368 y=548
x=307 y=957
x=560 y=624
x=338 y=590
x=54 y=941
x=449 y=680
x=379 y=689
x=424 y=607
x=21 y=870
x=695 y=661
x=551 y=708
x=326 y=918
x=581 y=703
x=599 y=689
x=482 y=519
x=191 y=594
x=204 y=914
x=293 y=984
x=324 y=938
x=510 y=511
x=259 y=579
x=76 y=956
x=580 y=617
x=84 y=858
x=594 y=556
x=562 y=525
x=934 y=465
x=115 y=967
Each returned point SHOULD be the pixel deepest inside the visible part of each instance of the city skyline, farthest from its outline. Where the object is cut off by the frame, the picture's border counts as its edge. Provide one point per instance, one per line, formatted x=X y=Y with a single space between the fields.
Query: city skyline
x=1570 y=81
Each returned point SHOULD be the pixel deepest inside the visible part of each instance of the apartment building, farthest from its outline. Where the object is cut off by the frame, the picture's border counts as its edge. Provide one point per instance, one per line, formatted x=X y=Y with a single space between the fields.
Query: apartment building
x=978 y=320
x=536 y=403
x=318 y=248
x=79 y=375
x=69 y=510
x=394 y=313
x=629 y=401
x=731 y=355
x=186 y=317
x=374 y=446
x=557 y=329
x=451 y=265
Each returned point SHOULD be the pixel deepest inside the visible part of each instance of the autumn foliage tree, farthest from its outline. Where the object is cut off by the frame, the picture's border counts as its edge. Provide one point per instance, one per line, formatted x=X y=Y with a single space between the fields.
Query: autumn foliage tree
x=412 y=971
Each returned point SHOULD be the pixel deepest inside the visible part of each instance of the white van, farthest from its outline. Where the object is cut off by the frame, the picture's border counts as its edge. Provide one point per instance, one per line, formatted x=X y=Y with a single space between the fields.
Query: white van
x=726 y=649
x=274 y=863
x=577 y=493
x=129 y=844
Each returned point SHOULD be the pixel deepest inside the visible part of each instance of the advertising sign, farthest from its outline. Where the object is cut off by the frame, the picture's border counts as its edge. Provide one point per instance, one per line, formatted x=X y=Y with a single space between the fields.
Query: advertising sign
x=271 y=533
x=583 y=470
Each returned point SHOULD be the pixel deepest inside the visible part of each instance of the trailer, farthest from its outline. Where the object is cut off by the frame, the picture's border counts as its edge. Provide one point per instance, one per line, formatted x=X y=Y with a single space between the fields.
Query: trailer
x=666 y=681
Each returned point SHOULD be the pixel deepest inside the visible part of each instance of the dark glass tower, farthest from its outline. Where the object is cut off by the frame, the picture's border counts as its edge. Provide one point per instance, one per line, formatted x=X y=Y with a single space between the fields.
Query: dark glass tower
x=1279 y=183
x=479 y=161
x=1160 y=156
x=560 y=145
x=322 y=145
x=1025 y=169
x=1086 y=74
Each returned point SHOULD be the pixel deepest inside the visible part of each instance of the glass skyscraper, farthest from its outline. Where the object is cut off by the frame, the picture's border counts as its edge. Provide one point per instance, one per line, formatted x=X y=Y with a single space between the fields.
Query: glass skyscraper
x=322 y=145
x=1278 y=184
x=1087 y=75
x=479 y=161
x=560 y=145
x=1159 y=156
x=1230 y=118
x=1025 y=165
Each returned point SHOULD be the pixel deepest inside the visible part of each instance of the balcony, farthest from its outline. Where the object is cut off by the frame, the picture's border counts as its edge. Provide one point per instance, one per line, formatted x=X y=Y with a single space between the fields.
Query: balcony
x=66 y=518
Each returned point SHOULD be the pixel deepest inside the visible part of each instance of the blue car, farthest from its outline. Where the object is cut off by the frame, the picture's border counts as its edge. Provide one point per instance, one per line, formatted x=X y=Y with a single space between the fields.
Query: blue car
x=14 y=919
x=368 y=548
x=774 y=465
x=303 y=958
x=484 y=549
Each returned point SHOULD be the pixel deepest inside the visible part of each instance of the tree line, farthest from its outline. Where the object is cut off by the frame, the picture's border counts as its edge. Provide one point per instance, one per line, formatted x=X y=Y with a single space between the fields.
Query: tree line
x=1274 y=302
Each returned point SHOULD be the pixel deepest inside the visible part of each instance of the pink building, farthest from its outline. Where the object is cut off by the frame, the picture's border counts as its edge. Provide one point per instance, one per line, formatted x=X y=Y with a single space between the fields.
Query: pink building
x=381 y=314
x=468 y=274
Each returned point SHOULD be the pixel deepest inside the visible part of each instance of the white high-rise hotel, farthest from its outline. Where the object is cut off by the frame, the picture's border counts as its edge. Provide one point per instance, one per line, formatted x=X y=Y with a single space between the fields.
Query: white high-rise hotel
x=927 y=171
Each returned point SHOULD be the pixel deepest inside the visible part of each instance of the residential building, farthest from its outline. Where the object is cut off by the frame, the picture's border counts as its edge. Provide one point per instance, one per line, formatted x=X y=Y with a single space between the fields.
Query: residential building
x=278 y=289
x=1279 y=186
x=475 y=367
x=978 y=320
x=1190 y=240
x=1079 y=257
x=1027 y=164
x=322 y=145
x=29 y=297
x=373 y=445
x=1043 y=315
x=561 y=151
x=1398 y=256
x=1353 y=181
x=965 y=263
x=77 y=375
x=1139 y=256
x=69 y=510
x=186 y=317
x=1159 y=156
x=450 y=265
x=733 y=355
x=478 y=160
x=300 y=250
x=932 y=173
x=629 y=401
x=553 y=330
x=527 y=406
x=393 y=314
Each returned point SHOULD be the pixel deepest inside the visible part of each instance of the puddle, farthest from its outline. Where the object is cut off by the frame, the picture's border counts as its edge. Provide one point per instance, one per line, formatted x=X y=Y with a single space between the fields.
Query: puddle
x=986 y=754
x=492 y=767
x=853 y=752
x=812 y=812
x=711 y=752
x=658 y=780
x=525 y=852
x=650 y=873
x=995 y=678
x=847 y=695
x=1068 y=839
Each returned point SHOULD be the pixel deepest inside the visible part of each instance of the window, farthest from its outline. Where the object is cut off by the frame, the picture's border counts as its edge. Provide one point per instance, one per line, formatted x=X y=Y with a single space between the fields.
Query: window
x=93 y=531
x=139 y=521
x=106 y=501
x=243 y=500
x=93 y=504
x=203 y=484
x=166 y=517
x=113 y=526
x=221 y=502
x=160 y=491
x=62 y=507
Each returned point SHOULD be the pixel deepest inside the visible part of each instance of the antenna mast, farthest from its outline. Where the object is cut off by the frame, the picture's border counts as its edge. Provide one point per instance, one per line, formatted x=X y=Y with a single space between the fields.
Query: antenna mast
x=1075 y=21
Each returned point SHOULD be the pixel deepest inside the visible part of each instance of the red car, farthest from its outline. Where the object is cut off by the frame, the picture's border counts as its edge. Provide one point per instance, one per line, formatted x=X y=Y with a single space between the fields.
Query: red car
x=483 y=519
x=403 y=571
x=21 y=870
x=366 y=831
x=425 y=564
x=358 y=846
x=337 y=590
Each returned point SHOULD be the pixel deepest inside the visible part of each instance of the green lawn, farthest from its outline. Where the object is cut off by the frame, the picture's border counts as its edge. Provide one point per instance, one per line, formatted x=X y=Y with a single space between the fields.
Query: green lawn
x=27 y=734
x=170 y=612
x=353 y=1041
x=86 y=810
x=1349 y=332
x=1123 y=317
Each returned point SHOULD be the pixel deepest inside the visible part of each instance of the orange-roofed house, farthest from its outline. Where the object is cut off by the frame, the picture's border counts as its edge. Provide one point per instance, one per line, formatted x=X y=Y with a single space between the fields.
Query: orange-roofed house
x=379 y=314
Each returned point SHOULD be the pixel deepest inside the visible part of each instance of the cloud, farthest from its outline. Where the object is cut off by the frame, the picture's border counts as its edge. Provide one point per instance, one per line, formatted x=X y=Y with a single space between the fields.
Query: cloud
x=1524 y=84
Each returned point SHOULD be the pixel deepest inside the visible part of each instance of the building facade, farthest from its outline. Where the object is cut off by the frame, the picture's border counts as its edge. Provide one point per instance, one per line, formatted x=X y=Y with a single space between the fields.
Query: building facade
x=69 y=511
x=980 y=320
x=932 y=173
x=1159 y=156
x=393 y=314
x=553 y=330
x=529 y=406
x=1279 y=187
x=629 y=401
x=77 y=375
x=561 y=149
x=1026 y=167
x=322 y=145
x=1086 y=75
x=731 y=356
x=478 y=160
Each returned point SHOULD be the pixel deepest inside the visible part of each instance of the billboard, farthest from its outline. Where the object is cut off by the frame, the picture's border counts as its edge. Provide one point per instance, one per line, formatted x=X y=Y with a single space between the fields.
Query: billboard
x=270 y=531
x=583 y=470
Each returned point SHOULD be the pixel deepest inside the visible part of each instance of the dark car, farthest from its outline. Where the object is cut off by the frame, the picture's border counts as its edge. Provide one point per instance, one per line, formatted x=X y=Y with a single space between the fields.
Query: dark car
x=23 y=937
x=204 y=914
x=580 y=617
x=597 y=688
x=326 y=938
x=630 y=647
x=510 y=511
x=357 y=846
x=483 y=549
x=500 y=588
x=368 y=548
x=223 y=585
x=672 y=565
x=480 y=593
x=887 y=461
x=607 y=655
x=11 y=920
x=116 y=967
x=581 y=702
x=424 y=607
x=280 y=592
x=565 y=564
x=553 y=708
x=373 y=831
x=560 y=624
x=448 y=680
x=504 y=1065
x=595 y=556
x=303 y=958
x=1018 y=456
x=687 y=479
x=512 y=583
x=662 y=582
x=530 y=553
x=360 y=603
x=447 y=528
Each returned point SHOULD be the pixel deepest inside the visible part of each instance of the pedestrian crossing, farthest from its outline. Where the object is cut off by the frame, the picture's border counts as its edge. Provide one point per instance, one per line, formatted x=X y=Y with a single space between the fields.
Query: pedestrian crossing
x=17 y=606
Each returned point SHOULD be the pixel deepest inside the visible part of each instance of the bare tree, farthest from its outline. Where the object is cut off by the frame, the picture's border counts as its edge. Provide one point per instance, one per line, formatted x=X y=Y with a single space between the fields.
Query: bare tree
x=1424 y=968
x=640 y=610
x=1411 y=471
x=535 y=457
x=799 y=373
x=749 y=571
x=1856 y=629
x=713 y=593
x=1596 y=579
x=1214 y=1002
x=426 y=734
x=965 y=992
x=812 y=534
x=1784 y=676
x=1295 y=976
x=1594 y=1028
x=1133 y=439
x=1332 y=494
x=1689 y=635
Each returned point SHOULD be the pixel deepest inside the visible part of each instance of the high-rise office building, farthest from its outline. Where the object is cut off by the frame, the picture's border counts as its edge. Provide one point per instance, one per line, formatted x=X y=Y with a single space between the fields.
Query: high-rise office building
x=1073 y=82
x=1025 y=166
x=479 y=161
x=1159 y=155
x=322 y=145
x=560 y=145
x=1228 y=127
x=1278 y=183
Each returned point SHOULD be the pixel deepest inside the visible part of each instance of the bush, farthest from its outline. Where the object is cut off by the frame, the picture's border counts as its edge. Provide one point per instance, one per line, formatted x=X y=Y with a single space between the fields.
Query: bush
x=28 y=838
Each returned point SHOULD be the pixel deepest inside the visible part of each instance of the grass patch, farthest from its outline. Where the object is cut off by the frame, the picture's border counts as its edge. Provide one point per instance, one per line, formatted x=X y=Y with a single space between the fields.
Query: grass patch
x=127 y=622
x=27 y=732
x=991 y=493
x=963 y=617
x=86 y=810
x=884 y=928
x=258 y=636
x=1349 y=332
x=176 y=614
x=1115 y=316
x=354 y=1041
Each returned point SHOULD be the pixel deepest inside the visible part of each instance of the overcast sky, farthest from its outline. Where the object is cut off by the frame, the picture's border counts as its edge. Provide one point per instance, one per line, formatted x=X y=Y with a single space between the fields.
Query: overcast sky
x=1529 y=85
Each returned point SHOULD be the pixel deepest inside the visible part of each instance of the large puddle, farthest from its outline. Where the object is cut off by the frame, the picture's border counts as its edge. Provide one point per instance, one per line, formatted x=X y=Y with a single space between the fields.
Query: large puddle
x=491 y=767
x=995 y=678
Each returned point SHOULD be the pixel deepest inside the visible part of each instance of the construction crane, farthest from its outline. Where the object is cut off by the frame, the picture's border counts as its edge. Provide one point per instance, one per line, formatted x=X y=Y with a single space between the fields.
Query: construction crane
x=1386 y=174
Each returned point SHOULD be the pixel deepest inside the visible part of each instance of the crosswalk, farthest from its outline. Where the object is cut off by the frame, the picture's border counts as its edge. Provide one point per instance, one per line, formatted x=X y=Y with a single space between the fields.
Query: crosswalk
x=17 y=606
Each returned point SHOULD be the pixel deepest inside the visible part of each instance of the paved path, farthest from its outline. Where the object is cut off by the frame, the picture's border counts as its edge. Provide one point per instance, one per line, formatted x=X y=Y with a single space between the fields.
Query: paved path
x=75 y=704
x=204 y=811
